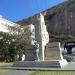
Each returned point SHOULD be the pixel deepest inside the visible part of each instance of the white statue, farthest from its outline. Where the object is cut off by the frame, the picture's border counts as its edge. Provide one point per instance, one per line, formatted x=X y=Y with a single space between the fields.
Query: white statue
x=23 y=57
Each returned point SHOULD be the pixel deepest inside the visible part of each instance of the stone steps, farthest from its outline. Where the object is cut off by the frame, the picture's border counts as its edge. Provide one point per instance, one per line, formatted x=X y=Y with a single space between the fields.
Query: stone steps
x=40 y=64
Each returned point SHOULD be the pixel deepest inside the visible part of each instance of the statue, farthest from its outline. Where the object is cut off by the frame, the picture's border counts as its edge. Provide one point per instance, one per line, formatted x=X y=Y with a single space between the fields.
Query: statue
x=23 y=57
x=36 y=51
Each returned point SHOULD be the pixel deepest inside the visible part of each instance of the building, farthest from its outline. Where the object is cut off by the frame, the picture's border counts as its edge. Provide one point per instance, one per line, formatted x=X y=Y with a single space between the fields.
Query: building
x=31 y=29
x=5 y=25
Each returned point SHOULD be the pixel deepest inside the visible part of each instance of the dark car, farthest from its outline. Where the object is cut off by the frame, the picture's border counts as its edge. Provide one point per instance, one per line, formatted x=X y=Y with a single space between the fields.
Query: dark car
x=68 y=46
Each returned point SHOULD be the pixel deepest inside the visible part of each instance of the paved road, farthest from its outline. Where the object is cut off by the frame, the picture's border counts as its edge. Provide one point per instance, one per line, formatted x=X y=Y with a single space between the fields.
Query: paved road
x=18 y=72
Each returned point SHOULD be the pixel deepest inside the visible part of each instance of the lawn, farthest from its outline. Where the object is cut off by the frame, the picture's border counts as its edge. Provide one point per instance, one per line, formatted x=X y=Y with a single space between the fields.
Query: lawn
x=3 y=71
x=53 y=73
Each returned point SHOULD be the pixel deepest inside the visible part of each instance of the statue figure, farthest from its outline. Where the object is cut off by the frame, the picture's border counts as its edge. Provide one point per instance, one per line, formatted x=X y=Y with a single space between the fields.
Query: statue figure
x=23 y=57
x=36 y=51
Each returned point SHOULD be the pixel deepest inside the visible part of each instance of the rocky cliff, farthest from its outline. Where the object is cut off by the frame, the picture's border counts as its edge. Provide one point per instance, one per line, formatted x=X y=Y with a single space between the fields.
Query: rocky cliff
x=60 y=20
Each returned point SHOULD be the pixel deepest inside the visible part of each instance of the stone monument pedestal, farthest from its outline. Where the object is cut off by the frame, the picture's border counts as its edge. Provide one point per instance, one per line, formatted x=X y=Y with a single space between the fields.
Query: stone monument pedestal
x=40 y=64
x=52 y=59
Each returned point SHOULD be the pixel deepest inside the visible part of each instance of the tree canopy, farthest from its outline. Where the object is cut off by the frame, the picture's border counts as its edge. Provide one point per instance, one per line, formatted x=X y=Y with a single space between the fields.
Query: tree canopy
x=13 y=43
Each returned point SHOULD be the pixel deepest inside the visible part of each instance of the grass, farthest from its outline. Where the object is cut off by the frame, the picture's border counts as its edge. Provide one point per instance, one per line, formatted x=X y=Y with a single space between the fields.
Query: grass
x=53 y=73
x=6 y=64
x=3 y=71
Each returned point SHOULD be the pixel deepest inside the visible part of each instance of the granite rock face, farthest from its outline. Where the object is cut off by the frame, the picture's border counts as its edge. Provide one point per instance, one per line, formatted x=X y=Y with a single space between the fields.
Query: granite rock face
x=60 y=20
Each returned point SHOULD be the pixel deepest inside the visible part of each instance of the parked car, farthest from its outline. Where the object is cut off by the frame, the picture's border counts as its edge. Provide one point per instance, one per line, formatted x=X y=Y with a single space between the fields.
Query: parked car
x=69 y=51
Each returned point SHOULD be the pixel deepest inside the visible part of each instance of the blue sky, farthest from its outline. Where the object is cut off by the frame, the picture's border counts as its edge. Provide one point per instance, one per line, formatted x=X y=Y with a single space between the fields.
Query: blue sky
x=15 y=10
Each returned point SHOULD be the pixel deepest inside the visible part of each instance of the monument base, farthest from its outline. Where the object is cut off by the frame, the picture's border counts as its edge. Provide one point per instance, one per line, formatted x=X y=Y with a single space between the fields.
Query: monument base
x=40 y=64
x=63 y=63
x=55 y=59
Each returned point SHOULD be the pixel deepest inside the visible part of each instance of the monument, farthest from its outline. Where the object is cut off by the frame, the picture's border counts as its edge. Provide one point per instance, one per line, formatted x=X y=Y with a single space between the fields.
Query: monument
x=36 y=51
x=39 y=50
x=41 y=34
